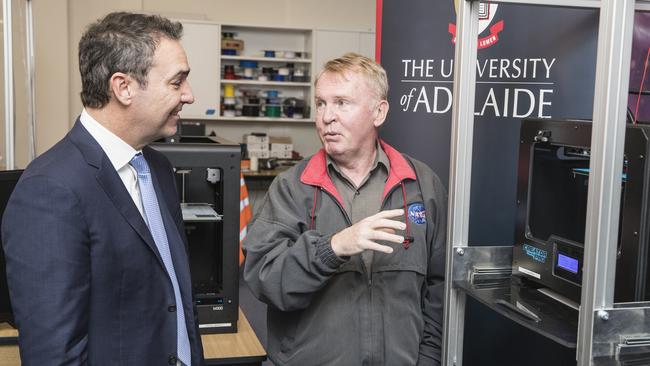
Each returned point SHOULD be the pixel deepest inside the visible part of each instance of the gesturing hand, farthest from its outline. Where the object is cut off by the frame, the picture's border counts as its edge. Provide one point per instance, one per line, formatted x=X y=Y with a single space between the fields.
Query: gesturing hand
x=364 y=234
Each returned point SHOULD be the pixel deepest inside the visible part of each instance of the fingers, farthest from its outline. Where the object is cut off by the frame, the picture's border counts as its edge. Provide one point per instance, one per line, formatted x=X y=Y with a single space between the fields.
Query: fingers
x=382 y=235
x=388 y=224
x=378 y=247
x=382 y=228
x=370 y=244
x=388 y=214
x=364 y=234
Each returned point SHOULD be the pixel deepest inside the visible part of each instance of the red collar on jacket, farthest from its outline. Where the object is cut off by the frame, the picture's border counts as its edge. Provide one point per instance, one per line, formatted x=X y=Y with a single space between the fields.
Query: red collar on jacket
x=315 y=172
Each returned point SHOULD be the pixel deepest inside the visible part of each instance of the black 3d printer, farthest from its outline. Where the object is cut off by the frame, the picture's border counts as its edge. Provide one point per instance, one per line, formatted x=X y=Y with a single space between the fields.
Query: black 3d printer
x=207 y=173
x=208 y=181
x=552 y=188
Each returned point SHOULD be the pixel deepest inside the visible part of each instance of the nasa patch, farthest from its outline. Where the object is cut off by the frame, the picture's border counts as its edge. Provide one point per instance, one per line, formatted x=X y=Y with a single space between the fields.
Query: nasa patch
x=417 y=214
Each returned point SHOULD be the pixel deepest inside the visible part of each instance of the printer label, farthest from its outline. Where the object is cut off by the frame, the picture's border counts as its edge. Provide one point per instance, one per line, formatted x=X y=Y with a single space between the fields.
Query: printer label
x=529 y=272
x=539 y=255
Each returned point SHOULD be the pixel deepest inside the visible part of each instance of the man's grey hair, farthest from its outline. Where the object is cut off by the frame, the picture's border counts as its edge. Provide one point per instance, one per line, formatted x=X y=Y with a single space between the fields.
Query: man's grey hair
x=120 y=42
x=374 y=74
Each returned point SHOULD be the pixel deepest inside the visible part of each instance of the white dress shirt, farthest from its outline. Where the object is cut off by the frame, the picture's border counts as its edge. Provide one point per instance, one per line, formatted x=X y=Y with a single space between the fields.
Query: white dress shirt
x=119 y=153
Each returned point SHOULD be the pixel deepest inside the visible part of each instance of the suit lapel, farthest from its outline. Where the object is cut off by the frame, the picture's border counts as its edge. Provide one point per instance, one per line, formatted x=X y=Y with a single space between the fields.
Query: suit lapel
x=112 y=185
x=110 y=181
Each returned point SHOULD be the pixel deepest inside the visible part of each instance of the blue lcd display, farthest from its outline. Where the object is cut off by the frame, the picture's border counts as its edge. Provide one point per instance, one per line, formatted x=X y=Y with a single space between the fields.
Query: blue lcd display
x=567 y=263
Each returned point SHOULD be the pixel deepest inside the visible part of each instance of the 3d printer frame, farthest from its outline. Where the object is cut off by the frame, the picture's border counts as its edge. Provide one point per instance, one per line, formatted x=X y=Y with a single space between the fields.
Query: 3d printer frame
x=208 y=182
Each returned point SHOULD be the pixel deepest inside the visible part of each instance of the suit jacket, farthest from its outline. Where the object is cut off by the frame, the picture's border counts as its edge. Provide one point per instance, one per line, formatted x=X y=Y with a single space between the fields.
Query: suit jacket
x=86 y=281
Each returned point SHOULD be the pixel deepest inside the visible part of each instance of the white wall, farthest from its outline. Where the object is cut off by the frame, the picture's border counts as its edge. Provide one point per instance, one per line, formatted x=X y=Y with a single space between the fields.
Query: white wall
x=334 y=14
x=58 y=25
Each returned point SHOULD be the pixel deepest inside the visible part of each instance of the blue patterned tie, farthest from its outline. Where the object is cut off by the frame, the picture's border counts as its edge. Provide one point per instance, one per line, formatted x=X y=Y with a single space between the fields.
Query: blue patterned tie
x=157 y=229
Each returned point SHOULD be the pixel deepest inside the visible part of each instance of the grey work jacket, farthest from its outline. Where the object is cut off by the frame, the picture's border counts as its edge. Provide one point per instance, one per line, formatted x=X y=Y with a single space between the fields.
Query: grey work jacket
x=326 y=310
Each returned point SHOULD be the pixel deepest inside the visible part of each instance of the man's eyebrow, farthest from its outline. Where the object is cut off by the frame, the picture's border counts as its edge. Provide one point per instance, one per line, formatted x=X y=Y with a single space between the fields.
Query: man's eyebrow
x=338 y=96
x=184 y=72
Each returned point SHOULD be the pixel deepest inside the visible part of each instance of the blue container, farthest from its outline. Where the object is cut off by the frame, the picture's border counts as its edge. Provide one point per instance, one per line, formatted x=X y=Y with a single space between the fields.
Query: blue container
x=248 y=64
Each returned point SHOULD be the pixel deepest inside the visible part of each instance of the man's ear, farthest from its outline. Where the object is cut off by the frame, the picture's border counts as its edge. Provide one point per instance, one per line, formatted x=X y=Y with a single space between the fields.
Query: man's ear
x=382 y=111
x=122 y=87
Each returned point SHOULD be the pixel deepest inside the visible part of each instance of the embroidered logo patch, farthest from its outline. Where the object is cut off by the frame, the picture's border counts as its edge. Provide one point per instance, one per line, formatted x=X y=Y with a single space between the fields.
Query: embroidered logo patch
x=417 y=214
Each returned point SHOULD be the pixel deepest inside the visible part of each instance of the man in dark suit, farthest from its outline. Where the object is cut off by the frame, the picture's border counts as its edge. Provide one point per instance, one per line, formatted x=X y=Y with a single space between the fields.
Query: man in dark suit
x=96 y=254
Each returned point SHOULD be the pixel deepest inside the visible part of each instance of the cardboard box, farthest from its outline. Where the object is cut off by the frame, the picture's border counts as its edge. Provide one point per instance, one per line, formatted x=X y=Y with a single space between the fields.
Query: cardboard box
x=281 y=154
x=256 y=146
x=256 y=139
x=280 y=143
x=262 y=154
x=279 y=139
x=281 y=147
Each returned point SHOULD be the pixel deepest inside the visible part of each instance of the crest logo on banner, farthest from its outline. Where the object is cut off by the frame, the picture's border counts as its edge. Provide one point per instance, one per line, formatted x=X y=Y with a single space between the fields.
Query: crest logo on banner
x=486 y=16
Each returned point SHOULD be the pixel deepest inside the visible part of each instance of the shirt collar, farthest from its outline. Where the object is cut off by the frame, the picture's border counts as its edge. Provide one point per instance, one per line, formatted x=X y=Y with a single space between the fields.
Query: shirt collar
x=381 y=159
x=118 y=151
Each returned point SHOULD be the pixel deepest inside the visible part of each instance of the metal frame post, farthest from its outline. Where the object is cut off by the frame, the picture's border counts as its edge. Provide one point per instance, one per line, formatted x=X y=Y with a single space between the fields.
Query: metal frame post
x=9 y=97
x=608 y=133
x=607 y=145
x=462 y=135
x=31 y=79
x=8 y=87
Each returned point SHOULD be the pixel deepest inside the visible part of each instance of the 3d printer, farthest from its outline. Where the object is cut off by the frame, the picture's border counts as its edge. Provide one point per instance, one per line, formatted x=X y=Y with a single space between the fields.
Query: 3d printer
x=552 y=185
x=208 y=180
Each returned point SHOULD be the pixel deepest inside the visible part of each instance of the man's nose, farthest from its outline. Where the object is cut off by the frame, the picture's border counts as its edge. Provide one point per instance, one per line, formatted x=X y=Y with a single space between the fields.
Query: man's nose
x=187 y=96
x=329 y=114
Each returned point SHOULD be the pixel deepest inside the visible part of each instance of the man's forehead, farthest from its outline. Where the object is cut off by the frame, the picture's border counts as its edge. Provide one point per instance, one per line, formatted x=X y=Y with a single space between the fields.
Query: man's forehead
x=346 y=84
x=342 y=76
x=171 y=56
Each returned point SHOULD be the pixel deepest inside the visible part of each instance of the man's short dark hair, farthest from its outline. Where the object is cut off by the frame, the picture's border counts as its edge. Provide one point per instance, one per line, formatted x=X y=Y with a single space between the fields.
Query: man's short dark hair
x=120 y=42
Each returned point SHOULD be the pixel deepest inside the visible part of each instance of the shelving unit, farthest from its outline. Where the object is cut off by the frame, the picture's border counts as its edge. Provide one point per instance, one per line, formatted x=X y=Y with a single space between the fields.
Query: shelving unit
x=202 y=42
x=267 y=59
x=265 y=83
x=263 y=119
x=312 y=47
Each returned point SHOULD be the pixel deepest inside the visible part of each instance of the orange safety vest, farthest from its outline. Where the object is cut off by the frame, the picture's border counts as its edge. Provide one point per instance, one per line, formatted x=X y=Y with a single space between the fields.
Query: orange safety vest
x=245 y=215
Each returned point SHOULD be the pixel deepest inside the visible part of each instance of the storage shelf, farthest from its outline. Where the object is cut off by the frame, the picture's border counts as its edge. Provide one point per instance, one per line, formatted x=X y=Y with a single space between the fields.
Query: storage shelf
x=528 y=307
x=269 y=59
x=257 y=82
x=247 y=119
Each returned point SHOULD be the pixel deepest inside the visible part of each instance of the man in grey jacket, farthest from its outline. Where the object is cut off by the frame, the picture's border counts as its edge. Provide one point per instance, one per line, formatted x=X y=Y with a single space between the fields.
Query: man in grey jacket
x=348 y=249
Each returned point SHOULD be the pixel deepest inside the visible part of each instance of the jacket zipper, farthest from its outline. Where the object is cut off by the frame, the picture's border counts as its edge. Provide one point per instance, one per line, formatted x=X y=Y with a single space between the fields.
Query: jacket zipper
x=360 y=261
x=347 y=219
x=363 y=270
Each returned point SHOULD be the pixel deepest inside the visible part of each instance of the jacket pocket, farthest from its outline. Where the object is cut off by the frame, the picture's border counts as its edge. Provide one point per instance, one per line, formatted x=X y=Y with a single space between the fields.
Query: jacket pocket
x=413 y=256
x=283 y=324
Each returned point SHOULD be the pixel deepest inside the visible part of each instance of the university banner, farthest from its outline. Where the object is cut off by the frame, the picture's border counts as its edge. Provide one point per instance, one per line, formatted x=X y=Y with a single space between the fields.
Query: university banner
x=639 y=103
x=533 y=61
x=536 y=61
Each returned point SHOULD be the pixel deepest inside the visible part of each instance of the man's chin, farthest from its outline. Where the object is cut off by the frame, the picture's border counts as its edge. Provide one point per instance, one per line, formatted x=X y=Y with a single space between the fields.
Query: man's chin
x=333 y=151
x=168 y=131
x=171 y=128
